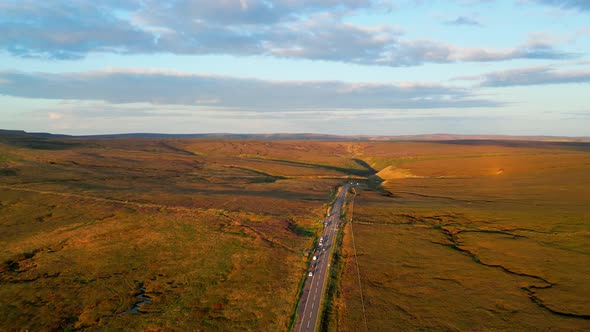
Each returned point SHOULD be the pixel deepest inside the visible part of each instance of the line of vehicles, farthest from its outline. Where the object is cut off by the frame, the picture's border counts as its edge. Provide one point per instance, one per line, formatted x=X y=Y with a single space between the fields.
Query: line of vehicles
x=316 y=256
x=321 y=241
x=318 y=259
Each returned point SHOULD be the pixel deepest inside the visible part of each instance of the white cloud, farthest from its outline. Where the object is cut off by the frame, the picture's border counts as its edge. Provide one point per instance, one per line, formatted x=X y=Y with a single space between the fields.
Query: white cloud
x=55 y=115
x=244 y=5
x=315 y=29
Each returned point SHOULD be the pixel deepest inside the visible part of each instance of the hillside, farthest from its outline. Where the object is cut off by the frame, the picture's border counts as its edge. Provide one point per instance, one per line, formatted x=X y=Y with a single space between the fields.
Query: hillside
x=312 y=137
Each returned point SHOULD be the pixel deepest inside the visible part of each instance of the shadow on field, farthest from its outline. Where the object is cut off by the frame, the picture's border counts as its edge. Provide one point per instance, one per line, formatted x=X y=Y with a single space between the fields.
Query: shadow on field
x=584 y=146
x=364 y=164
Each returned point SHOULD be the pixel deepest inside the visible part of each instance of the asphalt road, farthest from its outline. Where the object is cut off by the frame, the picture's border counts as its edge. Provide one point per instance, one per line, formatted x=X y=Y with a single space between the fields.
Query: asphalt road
x=309 y=308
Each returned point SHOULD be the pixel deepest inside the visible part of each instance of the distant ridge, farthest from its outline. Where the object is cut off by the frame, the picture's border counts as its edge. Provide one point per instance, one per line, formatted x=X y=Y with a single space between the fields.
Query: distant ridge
x=309 y=137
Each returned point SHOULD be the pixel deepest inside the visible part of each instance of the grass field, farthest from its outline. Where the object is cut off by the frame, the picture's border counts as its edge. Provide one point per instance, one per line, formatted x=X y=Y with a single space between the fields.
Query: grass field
x=155 y=234
x=211 y=234
x=496 y=239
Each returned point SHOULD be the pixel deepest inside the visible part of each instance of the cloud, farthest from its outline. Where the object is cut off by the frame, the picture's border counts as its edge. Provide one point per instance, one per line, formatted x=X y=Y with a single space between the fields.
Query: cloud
x=55 y=115
x=532 y=76
x=424 y=51
x=92 y=110
x=67 y=29
x=314 y=29
x=326 y=38
x=212 y=92
x=463 y=20
x=582 y=5
x=101 y=118
x=183 y=13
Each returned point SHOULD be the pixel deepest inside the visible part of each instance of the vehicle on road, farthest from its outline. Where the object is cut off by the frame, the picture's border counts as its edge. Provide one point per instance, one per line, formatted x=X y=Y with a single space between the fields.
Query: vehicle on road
x=308 y=315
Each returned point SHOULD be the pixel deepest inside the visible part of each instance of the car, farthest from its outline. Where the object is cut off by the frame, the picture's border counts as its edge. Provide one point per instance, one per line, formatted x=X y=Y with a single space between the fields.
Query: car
x=315 y=258
x=310 y=274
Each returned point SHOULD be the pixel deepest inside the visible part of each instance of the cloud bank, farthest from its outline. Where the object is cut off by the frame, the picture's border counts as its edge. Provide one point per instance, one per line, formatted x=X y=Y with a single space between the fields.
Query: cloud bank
x=532 y=76
x=314 y=29
x=171 y=88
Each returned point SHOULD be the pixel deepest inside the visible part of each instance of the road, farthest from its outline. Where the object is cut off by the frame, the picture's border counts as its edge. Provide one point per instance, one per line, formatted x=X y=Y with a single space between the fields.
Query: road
x=309 y=308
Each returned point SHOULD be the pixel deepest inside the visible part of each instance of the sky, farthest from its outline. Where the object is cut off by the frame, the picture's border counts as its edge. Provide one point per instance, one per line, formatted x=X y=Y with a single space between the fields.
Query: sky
x=348 y=67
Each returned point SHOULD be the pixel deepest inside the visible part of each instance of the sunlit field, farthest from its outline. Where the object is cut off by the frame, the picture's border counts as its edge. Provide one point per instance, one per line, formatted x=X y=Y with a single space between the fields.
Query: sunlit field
x=471 y=236
x=144 y=234
x=212 y=234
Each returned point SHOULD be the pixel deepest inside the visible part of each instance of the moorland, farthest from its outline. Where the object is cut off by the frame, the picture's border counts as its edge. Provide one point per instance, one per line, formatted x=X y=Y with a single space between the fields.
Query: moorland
x=153 y=234
x=213 y=234
x=469 y=236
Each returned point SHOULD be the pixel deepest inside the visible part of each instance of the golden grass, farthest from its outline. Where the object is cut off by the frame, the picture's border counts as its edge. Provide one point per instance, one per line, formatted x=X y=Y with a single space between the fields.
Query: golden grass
x=93 y=228
x=202 y=269
x=211 y=234
x=466 y=247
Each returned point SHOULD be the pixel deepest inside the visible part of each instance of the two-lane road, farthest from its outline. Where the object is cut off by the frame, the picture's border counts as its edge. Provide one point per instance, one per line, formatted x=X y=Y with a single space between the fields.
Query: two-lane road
x=309 y=308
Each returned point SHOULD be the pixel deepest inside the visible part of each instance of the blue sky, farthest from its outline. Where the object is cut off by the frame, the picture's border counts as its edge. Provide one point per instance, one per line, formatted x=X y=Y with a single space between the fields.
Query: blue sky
x=519 y=67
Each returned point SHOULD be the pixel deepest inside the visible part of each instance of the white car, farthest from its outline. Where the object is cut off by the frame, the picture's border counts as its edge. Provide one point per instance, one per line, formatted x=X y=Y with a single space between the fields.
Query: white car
x=310 y=274
x=315 y=258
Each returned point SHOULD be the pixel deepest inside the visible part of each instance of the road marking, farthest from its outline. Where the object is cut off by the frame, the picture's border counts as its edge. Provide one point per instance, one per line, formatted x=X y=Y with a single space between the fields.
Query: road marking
x=320 y=266
x=306 y=303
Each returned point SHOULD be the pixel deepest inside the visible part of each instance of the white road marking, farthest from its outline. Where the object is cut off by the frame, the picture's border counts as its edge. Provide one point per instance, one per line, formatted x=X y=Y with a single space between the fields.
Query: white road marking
x=321 y=267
